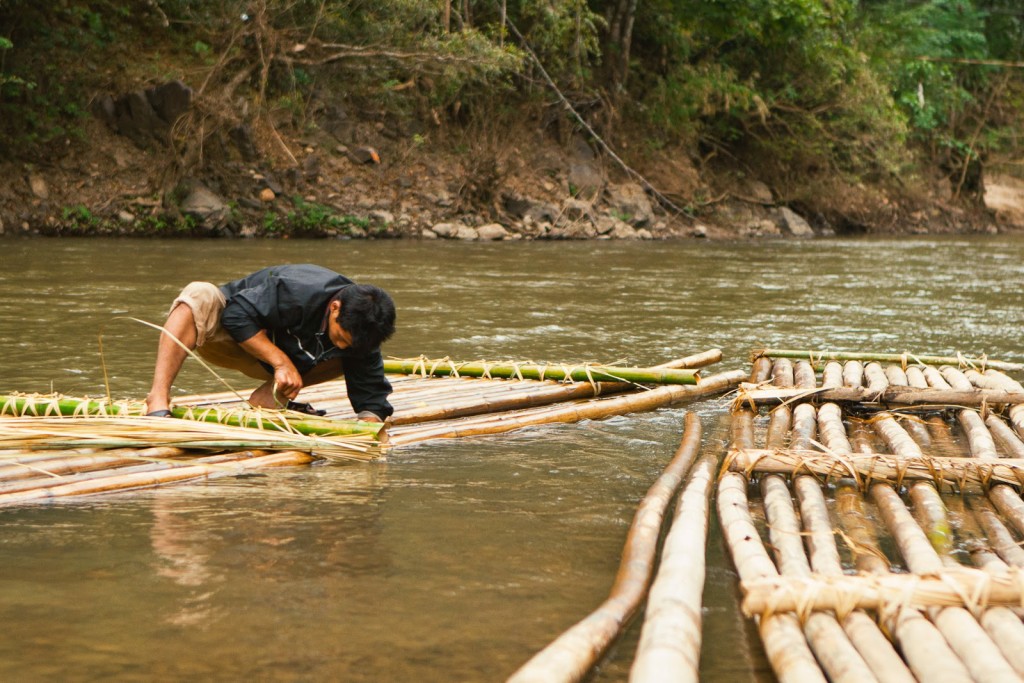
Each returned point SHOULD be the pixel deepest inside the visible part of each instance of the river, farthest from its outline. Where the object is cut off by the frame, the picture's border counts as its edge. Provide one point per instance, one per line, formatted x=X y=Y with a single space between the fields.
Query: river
x=454 y=560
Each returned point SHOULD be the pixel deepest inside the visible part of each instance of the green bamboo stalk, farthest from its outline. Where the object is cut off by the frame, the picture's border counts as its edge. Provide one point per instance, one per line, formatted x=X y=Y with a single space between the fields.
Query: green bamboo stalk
x=578 y=373
x=16 y=406
x=820 y=356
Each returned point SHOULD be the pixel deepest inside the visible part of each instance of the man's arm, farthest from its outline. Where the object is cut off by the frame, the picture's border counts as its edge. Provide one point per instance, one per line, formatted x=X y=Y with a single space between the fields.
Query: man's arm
x=286 y=377
x=368 y=388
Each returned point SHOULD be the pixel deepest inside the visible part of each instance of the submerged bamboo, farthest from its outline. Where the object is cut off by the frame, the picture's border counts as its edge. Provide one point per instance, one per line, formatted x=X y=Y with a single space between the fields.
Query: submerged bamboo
x=570 y=656
x=576 y=373
x=187 y=472
x=903 y=359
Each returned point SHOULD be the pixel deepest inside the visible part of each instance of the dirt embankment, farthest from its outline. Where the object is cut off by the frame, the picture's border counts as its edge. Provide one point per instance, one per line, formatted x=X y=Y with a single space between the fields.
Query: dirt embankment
x=373 y=177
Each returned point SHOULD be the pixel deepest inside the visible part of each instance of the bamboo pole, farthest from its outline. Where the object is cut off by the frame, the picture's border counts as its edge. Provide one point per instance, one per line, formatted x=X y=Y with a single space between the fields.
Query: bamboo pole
x=853 y=374
x=670 y=640
x=784 y=642
x=139 y=480
x=876 y=379
x=577 y=373
x=903 y=359
x=570 y=656
x=55 y=468
x=832 y=375
x=587 y=410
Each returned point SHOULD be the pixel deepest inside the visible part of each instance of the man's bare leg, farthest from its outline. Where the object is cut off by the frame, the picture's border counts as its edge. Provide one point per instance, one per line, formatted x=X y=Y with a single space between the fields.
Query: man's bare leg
x=170 y=356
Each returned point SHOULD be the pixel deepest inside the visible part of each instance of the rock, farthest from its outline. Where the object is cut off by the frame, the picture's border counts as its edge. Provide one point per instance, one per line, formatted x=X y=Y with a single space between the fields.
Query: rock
x=605 y=224
x=576 y=209
x=758 y=192
x=794 y=224
x=644 y=234
x=267 y=195
x=382 y=217
x=446 y=229
x=542 y=213
x=38 y=186
x=364 y=155
x=585 y=180
x=205 y=207
x=135 y=118
x=492 y=231
x=170 y=100
x=699 y=231
x=428 y=234
x=247 y=231
x=466 y=233
x=517 y=206
x=250 y=203
x=1 y=225
x=311 y=166
x=624 y=231
x=125 y=216
x=630 y=202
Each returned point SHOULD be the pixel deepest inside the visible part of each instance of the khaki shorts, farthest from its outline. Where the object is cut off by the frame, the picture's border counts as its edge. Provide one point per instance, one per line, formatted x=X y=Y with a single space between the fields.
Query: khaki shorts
x=213 y=343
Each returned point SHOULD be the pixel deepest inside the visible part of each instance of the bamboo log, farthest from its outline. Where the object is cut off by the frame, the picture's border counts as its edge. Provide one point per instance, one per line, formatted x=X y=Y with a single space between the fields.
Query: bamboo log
x=853 y=374
x=570 y=656
x=761 y=370
x=670 y=640
x=1008 y=440
x=832 y=375
x=54 y=465
x=804 y=376
x=784 y=643
x=576 y=373
x=1000 y=538
x=903 y=359
x=903 y=396
x=876 y=379
x=587 y=410
x=151 y=479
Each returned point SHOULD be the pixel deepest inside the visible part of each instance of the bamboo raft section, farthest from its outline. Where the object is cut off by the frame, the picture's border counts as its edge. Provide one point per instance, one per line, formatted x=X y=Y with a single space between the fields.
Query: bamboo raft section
x=890 y=546
x=55 y=446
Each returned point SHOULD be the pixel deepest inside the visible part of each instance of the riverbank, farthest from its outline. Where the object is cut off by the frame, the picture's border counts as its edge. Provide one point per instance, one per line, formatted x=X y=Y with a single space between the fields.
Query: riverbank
x=379 y=179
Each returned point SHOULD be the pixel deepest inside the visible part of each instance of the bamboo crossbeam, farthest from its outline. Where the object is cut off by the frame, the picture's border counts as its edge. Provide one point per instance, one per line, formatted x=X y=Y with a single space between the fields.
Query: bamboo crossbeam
x=966 y=587
x=874 y=466
x=894 y=395
x=570 y=656
x=24 y=468
x=576 y=373
x=117 y=482
x=903 y=359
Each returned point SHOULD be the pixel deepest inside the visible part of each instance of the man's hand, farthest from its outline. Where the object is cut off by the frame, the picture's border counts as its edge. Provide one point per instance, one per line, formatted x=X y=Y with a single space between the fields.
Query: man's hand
x=287 y=381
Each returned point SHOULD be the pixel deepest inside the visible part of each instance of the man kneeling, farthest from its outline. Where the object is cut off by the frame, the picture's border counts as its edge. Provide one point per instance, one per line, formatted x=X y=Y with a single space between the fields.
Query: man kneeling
x=290 y=325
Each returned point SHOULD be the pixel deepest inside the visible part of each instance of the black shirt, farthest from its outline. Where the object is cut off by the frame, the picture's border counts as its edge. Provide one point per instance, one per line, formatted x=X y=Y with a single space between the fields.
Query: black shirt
x=290 y=303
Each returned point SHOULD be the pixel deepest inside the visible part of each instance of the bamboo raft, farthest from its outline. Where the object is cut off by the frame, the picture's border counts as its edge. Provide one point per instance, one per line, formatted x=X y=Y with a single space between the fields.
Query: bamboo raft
x=930 y=591
x=54 y=447
x=874 y=516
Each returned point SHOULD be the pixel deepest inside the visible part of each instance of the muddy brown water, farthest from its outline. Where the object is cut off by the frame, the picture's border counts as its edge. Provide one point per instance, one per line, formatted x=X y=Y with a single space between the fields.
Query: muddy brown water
x=455 y=560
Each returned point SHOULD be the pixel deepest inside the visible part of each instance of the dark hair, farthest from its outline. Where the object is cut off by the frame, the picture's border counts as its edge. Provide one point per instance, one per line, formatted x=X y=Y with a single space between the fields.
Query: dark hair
x=368 y=314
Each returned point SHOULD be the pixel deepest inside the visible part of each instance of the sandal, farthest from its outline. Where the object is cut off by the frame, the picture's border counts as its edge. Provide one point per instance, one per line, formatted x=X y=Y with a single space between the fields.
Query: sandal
x=159 y=413
x=305 y=408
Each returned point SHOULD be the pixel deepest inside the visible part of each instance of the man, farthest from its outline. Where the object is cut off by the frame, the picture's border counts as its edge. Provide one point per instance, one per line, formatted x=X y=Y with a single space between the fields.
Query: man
x=290 y=325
